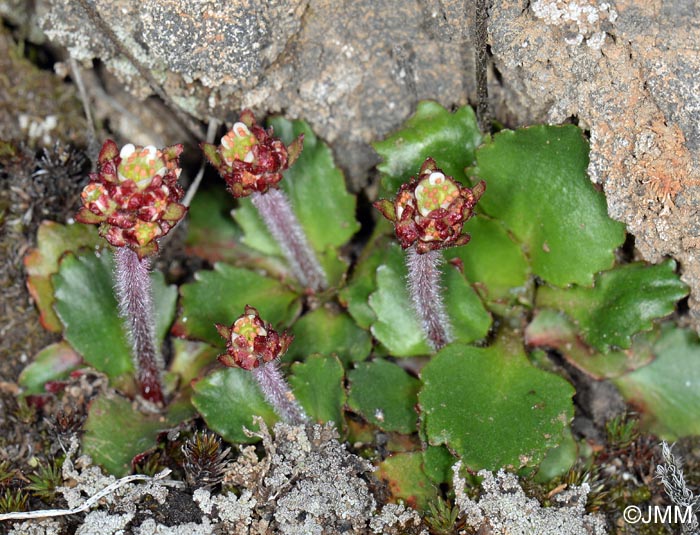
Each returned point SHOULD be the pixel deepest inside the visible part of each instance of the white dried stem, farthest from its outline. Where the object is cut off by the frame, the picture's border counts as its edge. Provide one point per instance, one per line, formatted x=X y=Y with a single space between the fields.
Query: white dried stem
x=671 y=475
x=92 y=500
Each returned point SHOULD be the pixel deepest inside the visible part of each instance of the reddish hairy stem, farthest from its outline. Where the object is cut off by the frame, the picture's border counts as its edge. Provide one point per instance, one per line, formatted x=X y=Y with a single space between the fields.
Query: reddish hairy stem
x=426 y=296
x=278 y=394
x=277 y=213
x=135 y=295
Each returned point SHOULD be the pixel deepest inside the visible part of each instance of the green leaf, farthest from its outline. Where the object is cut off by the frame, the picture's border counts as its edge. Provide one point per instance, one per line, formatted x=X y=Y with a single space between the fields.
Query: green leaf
x=403 y=473
x=492 y=407
x=552 y=329
x=667 y=392
x=492 y=261
x=227 y=400
x=355 y=296
x=334 y=266
x=438 y=463
x=220 y=296
x=536 y=183
x=255 y=232
x=329 y=332
x=88 y=310
x=449 y=138
x=397 y=326
x=623 y=301
x=316 y=188
x=53 y=240
x=213 y=235
x=189 y=359
x=385 y=395
x=52 y=363
x=559 y=460
x=164 y=304
x=115 y=431
x=318 y=385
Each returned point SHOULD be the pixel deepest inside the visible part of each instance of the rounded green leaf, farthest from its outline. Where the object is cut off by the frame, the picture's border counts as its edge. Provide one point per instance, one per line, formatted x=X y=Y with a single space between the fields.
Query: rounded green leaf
x=355 y=295
x=433 y=131
x=316 y=188
x=116 y=431
x=255 y=232
x=54 y=239
x=318 y=385
x=220 y=296
x=552 y=329
x=492 y=261
x=404 y=475
x=52 y=363
x=385 y=395
x=559 y=460
x=189 y=359
x=667 y=392
x=438 y=463
x=397 y=326
x=492 y=407
x=164 y=304
x=329 y=332
x=212 y=234
x=227 y=400
x=211 y=231
x=88 y=310
x=536 y=183
x=623 y=301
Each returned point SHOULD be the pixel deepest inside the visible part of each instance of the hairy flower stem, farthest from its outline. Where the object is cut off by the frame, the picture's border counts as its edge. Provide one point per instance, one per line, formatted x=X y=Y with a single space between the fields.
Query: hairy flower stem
x=426 y=296
x=277 y=392
x=277 y=213
x=135 y=295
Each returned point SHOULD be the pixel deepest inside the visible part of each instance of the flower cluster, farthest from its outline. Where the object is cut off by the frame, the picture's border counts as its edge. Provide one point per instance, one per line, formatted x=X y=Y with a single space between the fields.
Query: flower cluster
x=251 y=342
x=430 y=210
x=134 y=195
x=249 y=159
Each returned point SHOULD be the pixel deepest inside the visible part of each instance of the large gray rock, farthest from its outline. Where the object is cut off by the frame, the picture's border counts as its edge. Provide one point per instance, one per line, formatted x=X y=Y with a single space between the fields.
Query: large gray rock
x=628 y=72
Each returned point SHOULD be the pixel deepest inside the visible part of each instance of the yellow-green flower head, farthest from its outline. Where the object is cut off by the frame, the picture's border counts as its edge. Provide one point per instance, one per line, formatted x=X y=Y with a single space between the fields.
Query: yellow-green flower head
x=140 y=164
x=429 y=211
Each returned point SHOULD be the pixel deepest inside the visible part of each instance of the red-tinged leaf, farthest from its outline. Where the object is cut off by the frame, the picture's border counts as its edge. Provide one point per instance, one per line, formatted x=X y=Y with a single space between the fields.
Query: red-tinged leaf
x=49 y=365
x=53 y=241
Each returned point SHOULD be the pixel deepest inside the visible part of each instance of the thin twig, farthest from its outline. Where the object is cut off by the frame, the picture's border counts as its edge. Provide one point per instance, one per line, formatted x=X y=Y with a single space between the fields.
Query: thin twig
x=211 y=132
x=194 y=186
x=93 y=146
x=92 y=500
x=194 y=129
x=481 y=17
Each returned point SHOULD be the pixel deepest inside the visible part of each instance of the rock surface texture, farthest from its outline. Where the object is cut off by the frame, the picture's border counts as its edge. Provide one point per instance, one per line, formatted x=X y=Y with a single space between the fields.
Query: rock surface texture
x=625 y=70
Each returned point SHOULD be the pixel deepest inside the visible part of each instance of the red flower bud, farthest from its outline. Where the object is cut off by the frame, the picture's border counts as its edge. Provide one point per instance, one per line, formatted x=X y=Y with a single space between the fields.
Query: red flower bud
x=134 y=196
x=250 y=341
x=430 y=210
x=249 y=159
